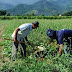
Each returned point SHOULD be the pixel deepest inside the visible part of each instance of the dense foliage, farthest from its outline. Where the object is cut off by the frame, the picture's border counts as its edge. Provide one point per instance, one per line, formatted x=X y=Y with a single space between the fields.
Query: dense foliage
x=36 y=37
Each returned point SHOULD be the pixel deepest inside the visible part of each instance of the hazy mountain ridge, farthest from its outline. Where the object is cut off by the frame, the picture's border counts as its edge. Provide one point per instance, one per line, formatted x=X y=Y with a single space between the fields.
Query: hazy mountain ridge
x=42 y=7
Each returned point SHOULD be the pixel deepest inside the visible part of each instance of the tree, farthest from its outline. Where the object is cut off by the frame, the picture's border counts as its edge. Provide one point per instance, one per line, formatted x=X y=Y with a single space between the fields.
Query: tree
x=2 y=12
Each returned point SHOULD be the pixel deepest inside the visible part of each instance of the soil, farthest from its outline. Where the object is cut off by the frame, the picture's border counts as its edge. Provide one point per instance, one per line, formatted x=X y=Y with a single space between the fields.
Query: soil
x=3 y=59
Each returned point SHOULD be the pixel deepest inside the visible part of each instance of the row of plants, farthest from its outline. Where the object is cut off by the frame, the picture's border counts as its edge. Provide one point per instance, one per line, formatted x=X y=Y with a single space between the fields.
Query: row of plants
x=35 y=17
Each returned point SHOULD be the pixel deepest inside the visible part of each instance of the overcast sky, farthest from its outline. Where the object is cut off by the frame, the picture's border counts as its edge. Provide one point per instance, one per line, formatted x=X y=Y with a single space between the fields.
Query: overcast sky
x=14 y=2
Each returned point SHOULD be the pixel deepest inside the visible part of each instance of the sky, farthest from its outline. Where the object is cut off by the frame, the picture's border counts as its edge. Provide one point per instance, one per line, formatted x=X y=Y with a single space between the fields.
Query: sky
x=15 y=2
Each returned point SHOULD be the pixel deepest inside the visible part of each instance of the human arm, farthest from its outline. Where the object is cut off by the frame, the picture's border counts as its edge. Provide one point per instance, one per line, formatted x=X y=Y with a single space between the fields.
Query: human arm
x=60 y=40
x=16 y=31
x=60 y=50
x=27 y=41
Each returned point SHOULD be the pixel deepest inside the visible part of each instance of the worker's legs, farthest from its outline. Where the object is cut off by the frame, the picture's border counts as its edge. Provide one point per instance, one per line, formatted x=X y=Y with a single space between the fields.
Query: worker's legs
x=14 y=49
x=71 y=46
x=68 y=47
x=23 y=48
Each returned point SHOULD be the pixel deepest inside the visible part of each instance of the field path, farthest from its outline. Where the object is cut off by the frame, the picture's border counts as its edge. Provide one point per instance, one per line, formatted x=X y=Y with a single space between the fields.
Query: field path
x=2 y=58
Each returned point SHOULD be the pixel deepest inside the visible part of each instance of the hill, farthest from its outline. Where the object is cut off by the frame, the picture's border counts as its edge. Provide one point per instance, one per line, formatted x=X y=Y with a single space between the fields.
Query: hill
x=43 y=7
x=65 y=4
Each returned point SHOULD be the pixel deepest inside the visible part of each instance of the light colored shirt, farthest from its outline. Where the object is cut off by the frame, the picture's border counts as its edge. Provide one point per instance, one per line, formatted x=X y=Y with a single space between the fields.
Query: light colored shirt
x=25 y=29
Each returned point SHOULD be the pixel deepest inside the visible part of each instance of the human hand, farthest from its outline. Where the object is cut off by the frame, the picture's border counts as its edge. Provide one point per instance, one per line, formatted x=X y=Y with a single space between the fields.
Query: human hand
x=28 y=43
x=60 y=50
x=60 y=53
x=15 y=40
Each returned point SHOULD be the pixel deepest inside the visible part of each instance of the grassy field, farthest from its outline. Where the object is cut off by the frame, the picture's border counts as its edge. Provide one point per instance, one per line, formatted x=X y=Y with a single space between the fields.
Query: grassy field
x=36 y=37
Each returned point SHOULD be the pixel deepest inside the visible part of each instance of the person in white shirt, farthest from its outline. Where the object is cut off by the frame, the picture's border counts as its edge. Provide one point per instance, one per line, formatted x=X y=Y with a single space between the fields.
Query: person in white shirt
x=20 y=34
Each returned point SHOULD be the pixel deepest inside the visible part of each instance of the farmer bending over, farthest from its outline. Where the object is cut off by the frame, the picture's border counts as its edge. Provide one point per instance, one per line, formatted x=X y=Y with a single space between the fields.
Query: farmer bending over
x=20 y=34
x=60 y=36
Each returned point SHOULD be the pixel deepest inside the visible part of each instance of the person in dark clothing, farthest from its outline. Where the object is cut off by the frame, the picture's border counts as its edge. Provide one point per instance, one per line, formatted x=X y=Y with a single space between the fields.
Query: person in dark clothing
x=60 y=36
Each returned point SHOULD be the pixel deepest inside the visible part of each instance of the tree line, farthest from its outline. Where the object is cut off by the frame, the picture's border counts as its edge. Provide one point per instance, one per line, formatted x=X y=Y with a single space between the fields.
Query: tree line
x=4 y=13
x=68 y=14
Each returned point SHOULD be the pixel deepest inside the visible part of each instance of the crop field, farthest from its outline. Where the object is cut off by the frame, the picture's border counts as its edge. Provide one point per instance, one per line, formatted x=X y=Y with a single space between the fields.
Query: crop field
x=50 y=63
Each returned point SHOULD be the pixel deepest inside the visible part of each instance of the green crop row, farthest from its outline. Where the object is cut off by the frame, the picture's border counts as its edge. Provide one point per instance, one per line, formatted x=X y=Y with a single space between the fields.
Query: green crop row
x=35 y=17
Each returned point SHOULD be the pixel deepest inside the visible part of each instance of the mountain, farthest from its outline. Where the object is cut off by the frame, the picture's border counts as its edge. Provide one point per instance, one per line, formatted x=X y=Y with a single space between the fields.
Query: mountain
x=4 y=6
x=43 y=7
x=65 y=4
